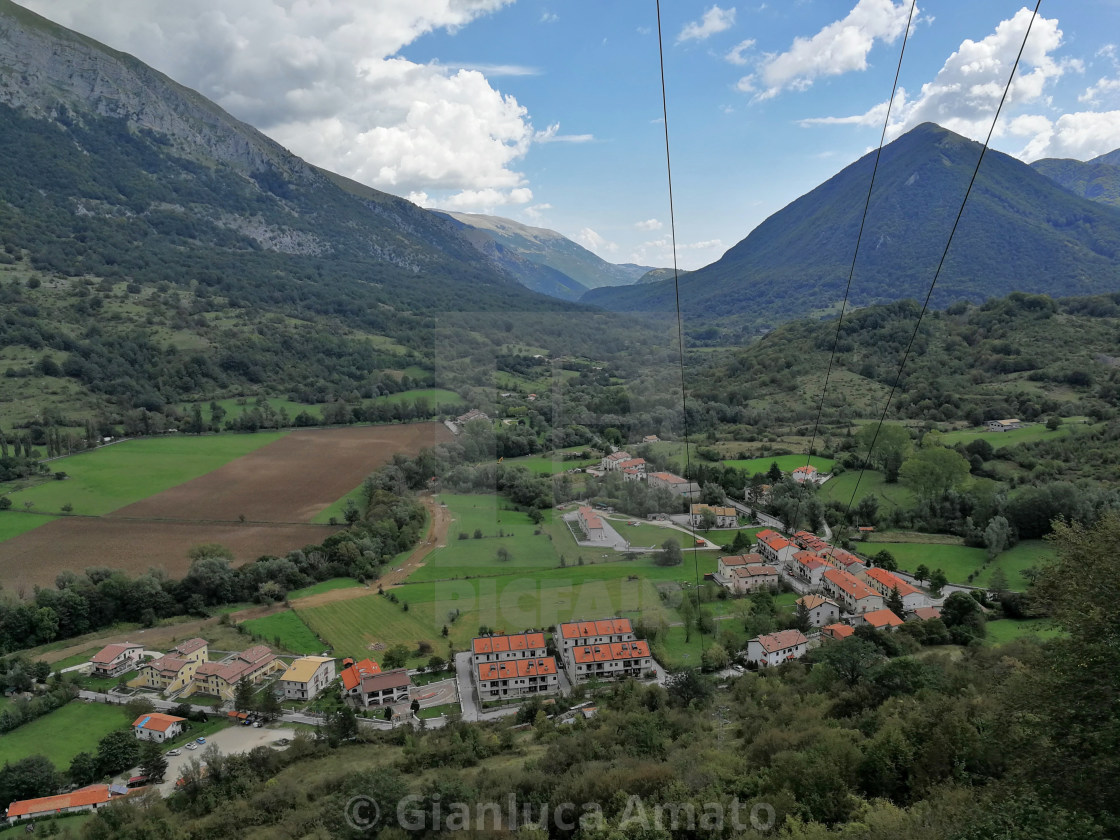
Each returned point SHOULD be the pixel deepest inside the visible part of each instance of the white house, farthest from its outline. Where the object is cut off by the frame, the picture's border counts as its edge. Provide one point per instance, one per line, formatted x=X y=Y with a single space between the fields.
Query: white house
x=776 y=648
x=501 y=648
x=592 y=524
x=822 y=611
x=157 y=727
x=808 y=568
x=879 y=619
x=726 y=517
x=516 y=678
x=752 y=578
x=113 y=660
x=775 y=548
x=884 y=583
x=307 y=676
x=608 y=661
x=851 y=593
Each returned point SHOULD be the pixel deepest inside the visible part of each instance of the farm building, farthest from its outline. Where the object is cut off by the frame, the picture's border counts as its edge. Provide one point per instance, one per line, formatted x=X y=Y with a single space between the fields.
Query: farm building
x=1004 y=425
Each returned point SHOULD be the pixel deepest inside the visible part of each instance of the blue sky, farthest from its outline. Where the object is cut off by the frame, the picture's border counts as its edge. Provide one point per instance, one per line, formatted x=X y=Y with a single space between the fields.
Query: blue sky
x=549 y=111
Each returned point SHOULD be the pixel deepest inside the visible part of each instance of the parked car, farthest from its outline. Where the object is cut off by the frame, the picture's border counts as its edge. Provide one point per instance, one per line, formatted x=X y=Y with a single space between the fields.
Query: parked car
x=191 y=745
x=257 y=724
x=200 y=740
x=174 y=752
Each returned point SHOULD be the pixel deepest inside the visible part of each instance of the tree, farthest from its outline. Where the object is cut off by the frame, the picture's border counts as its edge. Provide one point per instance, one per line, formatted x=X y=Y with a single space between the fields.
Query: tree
x=921 y=573
x=885 y=560
x=774 y=473
x=894 y=603
x=670 y=553
x=153 y=763
x=83 y=769
x=136 y=707
x=395 y=657
x=117 y=751
x=270 y=707
x=932 y=472
x=503 y=554
x=962 y=615
x=1053 y=422
x=244 y=695
x=851 y=660
x=688 y=688
x=715 y=658
x=998 y=581
x=802 y=620
x=937 y=581
x=891 y=446
x=997 y=536
x=707 y=519
x=29 y=778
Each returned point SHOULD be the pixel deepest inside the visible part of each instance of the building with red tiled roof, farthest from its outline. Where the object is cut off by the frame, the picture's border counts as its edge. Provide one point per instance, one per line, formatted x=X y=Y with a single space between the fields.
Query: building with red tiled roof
x=219 y=679
x=669 y=481
x=775 y=548
x=726 y=565
x=516 y=678
x=839 y=632
x=609 y=660
x=880 y=619
x=884 y=583
x=353 y=674
x=821 y=610
x=850 y=592
x=810 y=541
x=808 y=567
x=805 y=473
x=157 y=727
x=113 y=660
x=500 y=648
x=924 y=613
x=84 y=799
x=776 y=648
x=753 y=578
x=591 y=523
x=602 y=632
x=388 y=687
x=612 y=461
x=838 y=558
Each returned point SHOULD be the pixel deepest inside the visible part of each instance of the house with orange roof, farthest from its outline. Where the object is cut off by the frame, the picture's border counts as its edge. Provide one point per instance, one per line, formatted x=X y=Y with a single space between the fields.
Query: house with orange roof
x=879 y=619
x=516 y=678
x=84 y=799
x=157 y=727
x=669 y=481
x=885 y=582
x=612 y=461
x=822 y=611
x=839 y=632
x=810 y=541
x=806 y=473
x=591 y=523
x=638 y=464
x=353 y=674
x=387 y=687
x=775 y=548
x=776 y=648
x=605 y=631
x=838 y=558
x=850 y=592
x=726 y=565
x=808 y=568
x=752 y=578
x=923 y=613
x=500 y=648
x=608 y=660
x=114 y=660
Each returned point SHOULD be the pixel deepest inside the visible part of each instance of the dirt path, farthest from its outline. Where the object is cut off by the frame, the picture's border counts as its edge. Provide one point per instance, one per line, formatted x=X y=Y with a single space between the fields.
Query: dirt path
x=164 y=637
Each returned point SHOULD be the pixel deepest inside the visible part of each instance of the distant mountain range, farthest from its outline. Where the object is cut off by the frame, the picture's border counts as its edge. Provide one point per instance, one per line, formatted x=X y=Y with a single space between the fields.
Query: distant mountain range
x=569 y=268
x=1097 y=179
x=1020 y=231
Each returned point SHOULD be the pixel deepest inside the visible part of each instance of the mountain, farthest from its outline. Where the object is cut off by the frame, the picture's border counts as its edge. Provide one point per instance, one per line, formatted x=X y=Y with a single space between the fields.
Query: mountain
x=656 y=275
x=157 y=249
x=1097 y=179
x=549 y=248
x=1019 y=232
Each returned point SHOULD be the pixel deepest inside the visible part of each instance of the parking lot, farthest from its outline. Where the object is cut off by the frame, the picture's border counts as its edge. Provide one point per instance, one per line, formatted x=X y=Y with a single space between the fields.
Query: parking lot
x=234 y=739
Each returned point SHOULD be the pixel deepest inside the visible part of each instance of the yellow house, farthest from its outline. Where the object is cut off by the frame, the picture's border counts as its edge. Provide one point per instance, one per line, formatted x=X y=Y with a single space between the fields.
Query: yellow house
x=220 y=679
x=173 y=671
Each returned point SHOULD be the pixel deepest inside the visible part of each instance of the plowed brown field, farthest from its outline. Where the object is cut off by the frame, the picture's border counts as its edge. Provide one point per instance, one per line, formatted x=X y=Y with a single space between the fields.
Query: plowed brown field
x=277 y=488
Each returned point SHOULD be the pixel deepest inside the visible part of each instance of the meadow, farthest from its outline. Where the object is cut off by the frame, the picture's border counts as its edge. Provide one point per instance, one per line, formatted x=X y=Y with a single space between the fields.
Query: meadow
x=1029 y=554
x=13 y=523
x=62 y=734
x=786 y=463
x=109 y=477
x=1028 y=434
x=552 y=464
x=323 y=586
x=841 y=487
x=1010 y=629
x=956 y=561
x=286 y=631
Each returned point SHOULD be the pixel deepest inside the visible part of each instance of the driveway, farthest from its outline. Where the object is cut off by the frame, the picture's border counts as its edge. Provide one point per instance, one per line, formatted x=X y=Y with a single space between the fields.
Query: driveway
x=466 y=686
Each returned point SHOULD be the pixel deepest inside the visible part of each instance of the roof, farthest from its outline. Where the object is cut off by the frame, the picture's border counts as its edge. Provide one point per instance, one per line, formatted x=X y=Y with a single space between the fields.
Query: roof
x=765 y=534
x=808 y=469
x=352 y=676
x=776 y=542
x=837 y=631
x=304 y=668
x=620 y=455
x=811 y=541
x=811 y=602
x=809 y=560
x=782 y=640
x=844 y=558
x=882 y=618
x=246 y=662
x=850 y=584
x=610 y=652
x=718 y=511
x=590 y=517
x=669 y=477
x=633 y=462
x=167 y=665
x=502 y=644
x=92 y=795
x=254 y=654
x=156 y=722
x=396 y=678
x=755 y=570
x=890 y=581
x=107 y=654
x=741 y=559
x=517 y=668
x=602 y=627
x=926 y=613
x=189 y=646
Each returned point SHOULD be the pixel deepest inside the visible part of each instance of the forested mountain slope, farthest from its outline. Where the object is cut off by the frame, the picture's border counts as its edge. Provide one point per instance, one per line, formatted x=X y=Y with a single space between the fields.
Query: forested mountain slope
x=1097 y=179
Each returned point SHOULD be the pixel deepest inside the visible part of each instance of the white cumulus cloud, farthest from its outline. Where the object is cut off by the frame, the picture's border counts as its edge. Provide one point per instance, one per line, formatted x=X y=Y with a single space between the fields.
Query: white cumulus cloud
x=325 y=79
x=735 y=54
x=714 y=20
x=649 y=224
x=593 y=241
x=840 y=47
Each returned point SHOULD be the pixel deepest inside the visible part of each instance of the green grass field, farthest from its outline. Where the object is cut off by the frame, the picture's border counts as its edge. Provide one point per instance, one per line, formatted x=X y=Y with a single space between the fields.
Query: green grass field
x=65 y=732
x=236 y=406
x=434 y=396
x=111 y=477
x=324 y=586
x=13 y=523
x=550 y=464
x=786 y=463
x=648 y=534
x=998 y=440
x=1027 y=554
x=293 y=634
x=840 y=489
x=337 y=509
x=76 y=659
x=1010 y=629
x=957 y=561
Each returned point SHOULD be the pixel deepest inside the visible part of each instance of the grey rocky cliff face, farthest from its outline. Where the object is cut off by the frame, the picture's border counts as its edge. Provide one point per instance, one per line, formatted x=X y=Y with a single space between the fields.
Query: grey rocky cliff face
x=41 y=67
